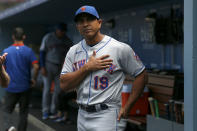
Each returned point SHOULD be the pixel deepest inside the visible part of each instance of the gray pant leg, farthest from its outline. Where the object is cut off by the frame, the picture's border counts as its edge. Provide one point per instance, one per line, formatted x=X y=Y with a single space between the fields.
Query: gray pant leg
x=106 y=120
x=55 y=94
x=46 y=96
x=53 y=73
x=49 y=80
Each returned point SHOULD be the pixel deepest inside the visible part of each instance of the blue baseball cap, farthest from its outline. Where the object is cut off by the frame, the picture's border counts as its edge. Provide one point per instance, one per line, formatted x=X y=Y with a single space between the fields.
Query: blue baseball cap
x=87 y=9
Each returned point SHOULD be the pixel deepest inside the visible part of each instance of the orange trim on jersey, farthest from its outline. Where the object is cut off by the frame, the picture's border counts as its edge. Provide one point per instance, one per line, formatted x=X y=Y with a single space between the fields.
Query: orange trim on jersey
x=18 y=44
x=34 y=62
x=83 y=9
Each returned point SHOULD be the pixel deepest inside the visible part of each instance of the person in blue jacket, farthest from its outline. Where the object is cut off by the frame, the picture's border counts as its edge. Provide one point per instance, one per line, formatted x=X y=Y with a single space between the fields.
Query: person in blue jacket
x=18 y=64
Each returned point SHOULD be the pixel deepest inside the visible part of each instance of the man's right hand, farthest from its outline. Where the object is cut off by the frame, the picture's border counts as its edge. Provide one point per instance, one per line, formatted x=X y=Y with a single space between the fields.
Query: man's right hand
x=2 y=58
x=98 y=63
x=43 y=71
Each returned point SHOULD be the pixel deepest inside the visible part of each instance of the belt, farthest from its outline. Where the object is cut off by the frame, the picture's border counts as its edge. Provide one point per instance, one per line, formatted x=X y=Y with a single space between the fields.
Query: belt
x=93 y=108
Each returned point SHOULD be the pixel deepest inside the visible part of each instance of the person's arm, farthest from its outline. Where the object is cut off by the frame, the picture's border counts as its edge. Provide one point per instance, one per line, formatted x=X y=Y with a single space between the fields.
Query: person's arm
x=133 y=66
x=35 y=67
x=35 y=73
x=42 y=56
x=4 y=77
x=42 y=63
x=137 y=89
x=71 y=80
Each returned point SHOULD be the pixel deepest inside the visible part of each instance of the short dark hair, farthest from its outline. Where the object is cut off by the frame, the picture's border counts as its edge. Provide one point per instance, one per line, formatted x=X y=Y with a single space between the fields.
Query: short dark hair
x=18 y=33
x=61 y=26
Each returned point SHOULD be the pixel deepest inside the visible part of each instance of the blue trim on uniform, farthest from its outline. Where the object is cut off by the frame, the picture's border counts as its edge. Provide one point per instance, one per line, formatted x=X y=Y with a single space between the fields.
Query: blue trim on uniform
x=77 y=52
x=86 y=61
x=104 y=45
x=84 y=50
x=139 y=71
x=91 y=73
x=116 y=120
x=64 y=72
x=42 y=58
x=89 y=88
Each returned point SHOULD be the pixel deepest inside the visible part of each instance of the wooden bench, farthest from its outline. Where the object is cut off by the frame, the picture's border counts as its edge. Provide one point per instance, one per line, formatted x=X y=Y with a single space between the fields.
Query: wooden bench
x=160 y=88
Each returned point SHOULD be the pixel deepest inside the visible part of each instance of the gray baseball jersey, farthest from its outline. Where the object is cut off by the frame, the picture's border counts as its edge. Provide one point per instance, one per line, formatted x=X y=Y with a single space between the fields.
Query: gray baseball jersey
x=55 y=48
x=103 y=86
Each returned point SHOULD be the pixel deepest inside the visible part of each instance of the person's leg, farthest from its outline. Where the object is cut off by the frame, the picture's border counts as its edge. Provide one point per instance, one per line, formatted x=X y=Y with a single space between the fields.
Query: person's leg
x=46 y=98
x=60 y=106
x=49 y=80
x=104 y=120
x=56 y=90
x=62 y=114
x=81 y=120
x=54 y=70
x=61 y=101
x=10 y=101
x=24 y=109
x=68 y=96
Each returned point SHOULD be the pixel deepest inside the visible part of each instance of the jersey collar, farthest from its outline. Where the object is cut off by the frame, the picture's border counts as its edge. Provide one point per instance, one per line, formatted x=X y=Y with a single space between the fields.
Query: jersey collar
x=98 y=45
x=18 y=44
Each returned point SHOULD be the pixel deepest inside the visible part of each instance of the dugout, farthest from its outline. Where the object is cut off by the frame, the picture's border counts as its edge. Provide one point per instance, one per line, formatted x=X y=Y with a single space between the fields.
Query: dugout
x=132 y=22
x=124 y=21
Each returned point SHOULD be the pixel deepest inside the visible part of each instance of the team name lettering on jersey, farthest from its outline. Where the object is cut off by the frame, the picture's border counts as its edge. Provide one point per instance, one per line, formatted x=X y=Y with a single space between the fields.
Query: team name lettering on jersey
x=111 y=69
x=77 y=65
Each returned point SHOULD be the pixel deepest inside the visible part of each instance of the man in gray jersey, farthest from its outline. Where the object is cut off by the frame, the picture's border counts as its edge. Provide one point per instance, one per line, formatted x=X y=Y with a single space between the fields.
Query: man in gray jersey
x=52 y=53
x=96 y=67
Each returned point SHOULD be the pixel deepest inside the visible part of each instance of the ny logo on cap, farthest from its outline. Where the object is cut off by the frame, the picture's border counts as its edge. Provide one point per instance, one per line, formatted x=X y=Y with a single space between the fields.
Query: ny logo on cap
x=83 y=8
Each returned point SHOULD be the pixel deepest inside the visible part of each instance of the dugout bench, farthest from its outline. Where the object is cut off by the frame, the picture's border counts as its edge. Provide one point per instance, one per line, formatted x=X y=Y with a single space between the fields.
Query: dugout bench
x=161 y=88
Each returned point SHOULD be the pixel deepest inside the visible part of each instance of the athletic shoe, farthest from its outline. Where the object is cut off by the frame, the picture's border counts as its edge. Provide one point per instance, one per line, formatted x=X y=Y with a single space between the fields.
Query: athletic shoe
x=12 y=129
x=45 y=116
x=60 y=119
x=53 y=116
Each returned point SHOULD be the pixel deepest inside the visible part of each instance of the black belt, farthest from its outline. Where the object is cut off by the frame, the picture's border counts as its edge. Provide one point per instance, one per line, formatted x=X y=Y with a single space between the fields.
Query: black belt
x=93 y=108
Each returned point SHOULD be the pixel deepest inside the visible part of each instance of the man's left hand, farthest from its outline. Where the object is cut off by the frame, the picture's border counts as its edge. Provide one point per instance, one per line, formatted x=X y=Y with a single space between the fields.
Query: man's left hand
x=124 y=112
x=33 y=83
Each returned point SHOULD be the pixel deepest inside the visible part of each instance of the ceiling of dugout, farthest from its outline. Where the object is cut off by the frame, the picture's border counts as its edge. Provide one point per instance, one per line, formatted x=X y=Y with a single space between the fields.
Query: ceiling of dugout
x=52 y=11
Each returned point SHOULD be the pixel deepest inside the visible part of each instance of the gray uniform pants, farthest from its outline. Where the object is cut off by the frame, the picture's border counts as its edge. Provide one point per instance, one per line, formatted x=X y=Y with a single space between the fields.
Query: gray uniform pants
x=49 y=105
x=104 y=120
